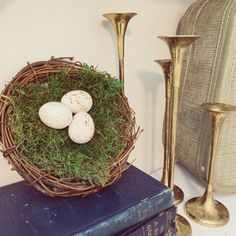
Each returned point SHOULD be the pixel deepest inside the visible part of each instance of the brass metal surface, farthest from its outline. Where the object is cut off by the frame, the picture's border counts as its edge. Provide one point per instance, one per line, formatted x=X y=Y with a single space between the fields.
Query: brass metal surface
x=211 y=214
x=120 y=22
x=166 y=65
x=178 y=45
x=218 y=107
x=206 y=210
x=178 y=195
x=183 y=226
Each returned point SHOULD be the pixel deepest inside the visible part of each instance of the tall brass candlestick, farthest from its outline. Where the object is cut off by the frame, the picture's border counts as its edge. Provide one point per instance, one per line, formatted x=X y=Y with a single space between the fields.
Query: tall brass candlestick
x=166 y=66
x=205 y=210
x=177 y=45
x=120 y=22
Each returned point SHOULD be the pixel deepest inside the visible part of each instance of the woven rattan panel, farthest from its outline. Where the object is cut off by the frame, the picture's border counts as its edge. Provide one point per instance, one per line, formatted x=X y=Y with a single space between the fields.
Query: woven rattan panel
x=209 y=75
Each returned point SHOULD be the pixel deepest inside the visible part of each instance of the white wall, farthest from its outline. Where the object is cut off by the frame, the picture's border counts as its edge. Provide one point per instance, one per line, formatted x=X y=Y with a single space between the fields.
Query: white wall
x=32 y=30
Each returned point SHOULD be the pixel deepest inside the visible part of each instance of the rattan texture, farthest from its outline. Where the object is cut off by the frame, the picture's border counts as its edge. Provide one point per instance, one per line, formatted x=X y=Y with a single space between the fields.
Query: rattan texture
x=209 y=75
x=45 y=182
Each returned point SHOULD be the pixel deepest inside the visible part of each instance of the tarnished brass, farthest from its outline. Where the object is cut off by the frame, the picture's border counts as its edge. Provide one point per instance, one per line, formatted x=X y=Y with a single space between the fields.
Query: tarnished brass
x=183 y=226
x=166 y=65
x=205 y=210
x=178 y=45
x=120 y=22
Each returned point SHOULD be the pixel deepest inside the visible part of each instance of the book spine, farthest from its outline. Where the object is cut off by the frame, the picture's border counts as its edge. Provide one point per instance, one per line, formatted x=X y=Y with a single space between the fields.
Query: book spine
x=171 y=231
x=130 y=216
x=160 y=224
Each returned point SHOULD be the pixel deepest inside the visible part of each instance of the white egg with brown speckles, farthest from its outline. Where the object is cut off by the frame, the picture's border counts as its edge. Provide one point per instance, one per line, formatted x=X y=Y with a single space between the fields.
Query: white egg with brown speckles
x=55 y=115
x=77 y=101
x=81 y=129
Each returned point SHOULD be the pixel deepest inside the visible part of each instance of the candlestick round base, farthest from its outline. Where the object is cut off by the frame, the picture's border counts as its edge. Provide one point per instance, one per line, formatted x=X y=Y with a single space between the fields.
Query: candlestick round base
x=183 y=226
x=178 y=195
x=211 y=214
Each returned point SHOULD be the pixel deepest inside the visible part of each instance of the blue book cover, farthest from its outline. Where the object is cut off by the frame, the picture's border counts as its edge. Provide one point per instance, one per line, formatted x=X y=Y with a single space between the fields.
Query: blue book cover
x=156 y=225
x=136 y=196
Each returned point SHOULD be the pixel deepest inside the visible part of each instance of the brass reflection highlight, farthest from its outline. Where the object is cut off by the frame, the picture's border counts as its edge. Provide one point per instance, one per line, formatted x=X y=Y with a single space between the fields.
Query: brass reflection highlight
x=120 y=22
x=166 y=65
x=205 y=210
x=177 y=45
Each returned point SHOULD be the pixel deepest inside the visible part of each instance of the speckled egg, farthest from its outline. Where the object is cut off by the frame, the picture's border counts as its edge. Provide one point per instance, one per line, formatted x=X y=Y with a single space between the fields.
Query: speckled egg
x=55 y=115
x=81 y=129
x=77 y=101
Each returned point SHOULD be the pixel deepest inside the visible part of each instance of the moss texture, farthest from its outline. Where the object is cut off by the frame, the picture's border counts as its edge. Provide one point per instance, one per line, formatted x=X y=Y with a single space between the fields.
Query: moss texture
x=52 y=150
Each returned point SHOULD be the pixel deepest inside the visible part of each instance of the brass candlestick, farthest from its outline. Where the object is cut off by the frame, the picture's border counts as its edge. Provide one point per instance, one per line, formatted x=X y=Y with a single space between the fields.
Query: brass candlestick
x=205 y=210
x=166 y=67
x=120 y=22
x=177 y=45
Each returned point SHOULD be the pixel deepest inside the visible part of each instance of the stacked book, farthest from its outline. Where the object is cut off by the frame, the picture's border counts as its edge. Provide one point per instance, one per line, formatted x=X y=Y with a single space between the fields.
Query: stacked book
x=135 y=205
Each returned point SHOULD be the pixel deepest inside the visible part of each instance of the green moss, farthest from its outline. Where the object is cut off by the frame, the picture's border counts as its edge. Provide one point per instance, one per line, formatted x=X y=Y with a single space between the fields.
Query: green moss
x=52 y=150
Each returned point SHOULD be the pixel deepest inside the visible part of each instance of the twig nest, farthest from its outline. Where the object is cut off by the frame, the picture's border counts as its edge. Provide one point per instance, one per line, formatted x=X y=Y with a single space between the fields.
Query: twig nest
x=77 y=101
x=55 y=115
x=47 y=158
x=81 y=129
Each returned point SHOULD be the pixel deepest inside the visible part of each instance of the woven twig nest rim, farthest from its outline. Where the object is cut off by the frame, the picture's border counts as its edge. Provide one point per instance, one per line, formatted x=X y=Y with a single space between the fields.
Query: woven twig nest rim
x=45 y=182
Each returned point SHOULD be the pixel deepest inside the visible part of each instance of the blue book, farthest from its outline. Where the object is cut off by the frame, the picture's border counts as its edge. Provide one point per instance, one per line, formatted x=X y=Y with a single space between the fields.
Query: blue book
x=135 y=197
x=171 y=232
x=159 y=224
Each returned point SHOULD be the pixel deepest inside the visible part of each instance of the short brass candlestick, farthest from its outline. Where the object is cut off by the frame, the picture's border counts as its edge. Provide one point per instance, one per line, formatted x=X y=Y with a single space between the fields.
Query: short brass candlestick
x=120 y=22
x=178 y=45
x=166 y=67
x=205 y=210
